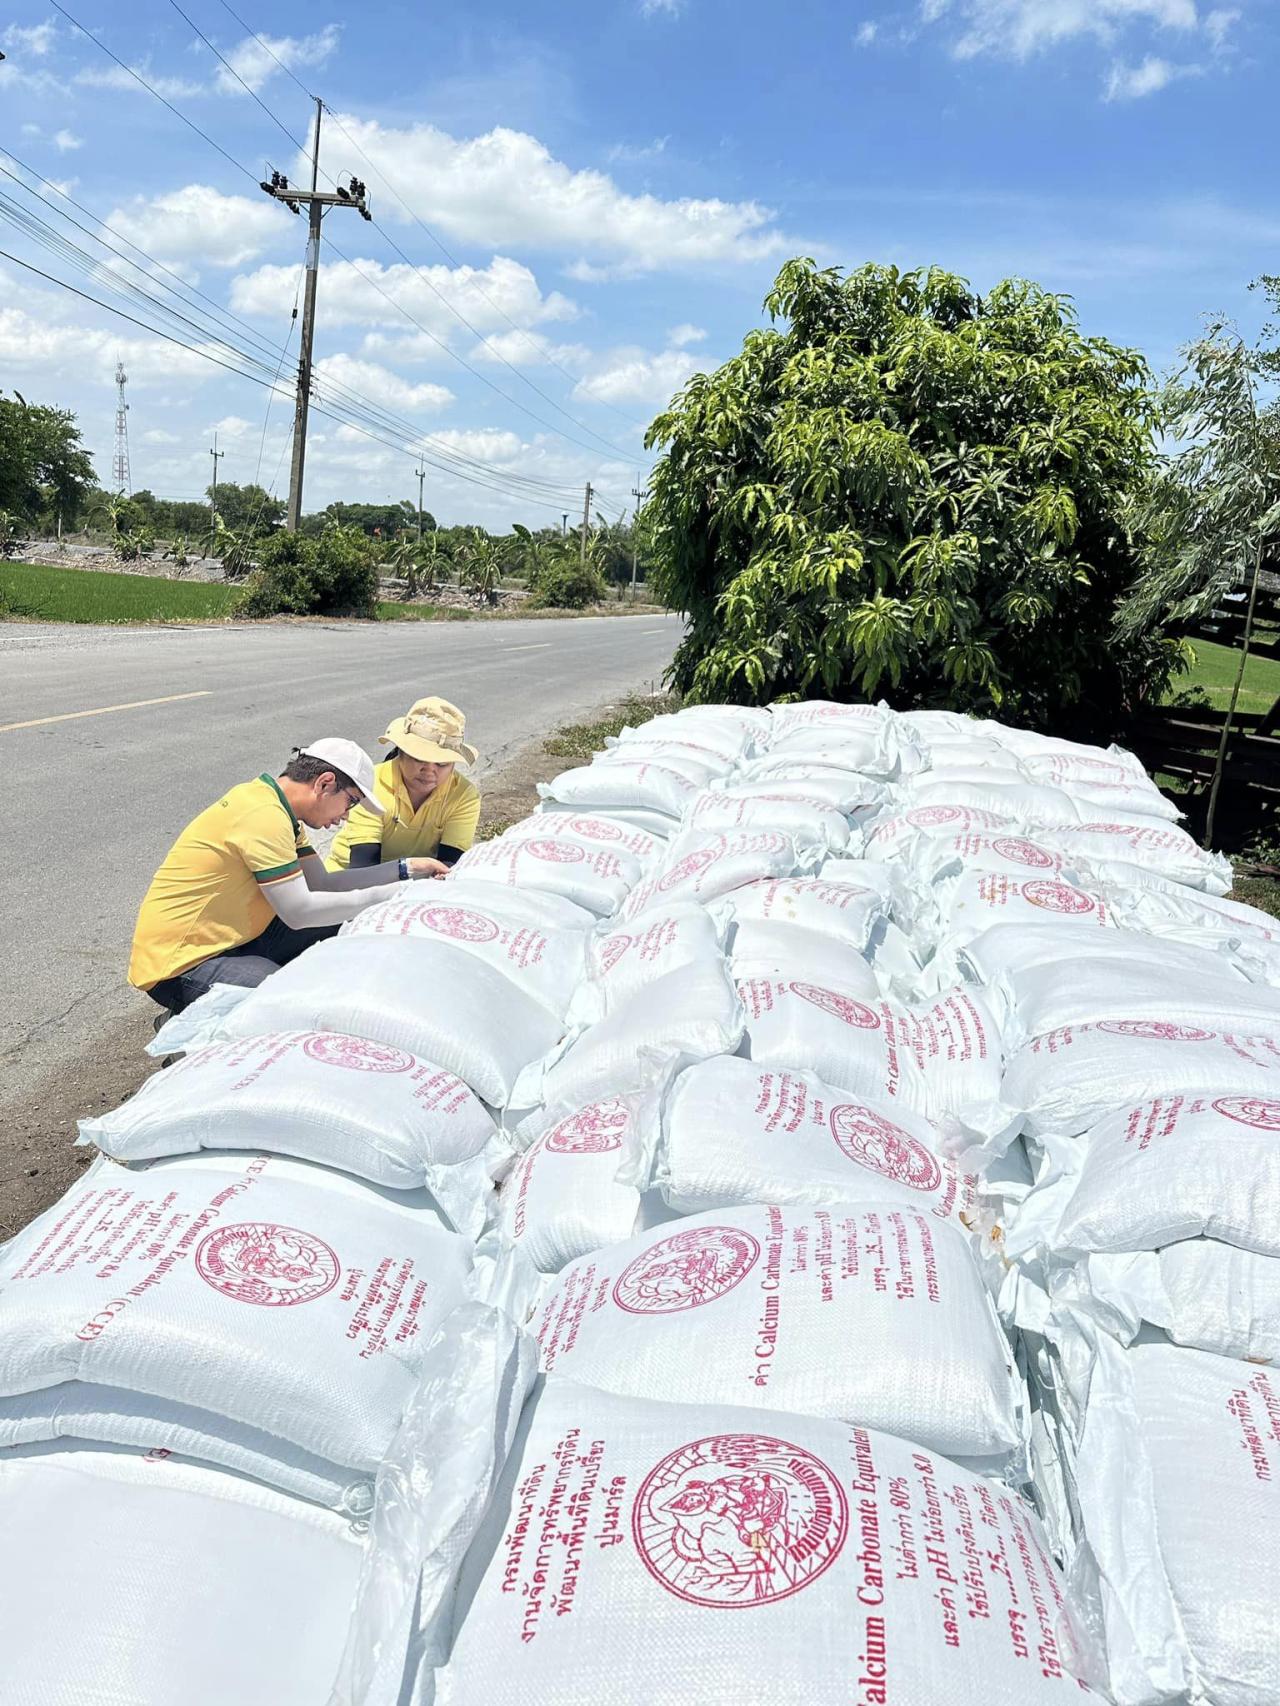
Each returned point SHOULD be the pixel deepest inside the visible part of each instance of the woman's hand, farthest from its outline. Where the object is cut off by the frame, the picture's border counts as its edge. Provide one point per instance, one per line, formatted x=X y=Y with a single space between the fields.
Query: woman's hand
x=426 y=868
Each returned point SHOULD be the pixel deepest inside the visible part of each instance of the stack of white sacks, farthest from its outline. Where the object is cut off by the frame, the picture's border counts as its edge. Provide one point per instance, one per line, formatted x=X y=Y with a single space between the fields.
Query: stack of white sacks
x=823 y=1165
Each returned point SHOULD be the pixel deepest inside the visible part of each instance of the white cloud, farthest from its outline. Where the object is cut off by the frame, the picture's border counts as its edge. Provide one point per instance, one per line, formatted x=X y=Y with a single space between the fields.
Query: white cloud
x=158 y=435
x=1019 y=28
x=40 y=343
x=529 y=349
x=366 y=293
x=634 y=376
x=117 y=77
x=32 y=130
x=634 y=152
x=1132 y=82
x=507 y=189
x=684 y=334
x=661 y=8
x=64 y=141
x=380 y=383
x=257 y=58
x=200 y=225
x=1218 y=25
x=866 y=33
x=33 y=39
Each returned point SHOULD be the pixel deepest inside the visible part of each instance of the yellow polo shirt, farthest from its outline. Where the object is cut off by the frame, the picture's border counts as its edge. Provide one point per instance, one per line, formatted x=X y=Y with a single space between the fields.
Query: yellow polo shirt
x=207 y=895
x=448 y=816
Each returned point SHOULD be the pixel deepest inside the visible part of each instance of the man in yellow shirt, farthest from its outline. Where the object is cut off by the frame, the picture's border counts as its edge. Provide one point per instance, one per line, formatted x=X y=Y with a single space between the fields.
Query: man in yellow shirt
x=423 y=809
x=240 y=892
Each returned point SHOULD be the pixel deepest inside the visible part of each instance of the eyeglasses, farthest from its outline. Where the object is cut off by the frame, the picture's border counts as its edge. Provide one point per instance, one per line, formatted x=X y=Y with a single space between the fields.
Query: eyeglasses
x=353 y=800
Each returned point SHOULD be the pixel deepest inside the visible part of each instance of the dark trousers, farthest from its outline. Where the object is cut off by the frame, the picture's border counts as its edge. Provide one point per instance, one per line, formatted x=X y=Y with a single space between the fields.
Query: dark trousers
x=245 y=966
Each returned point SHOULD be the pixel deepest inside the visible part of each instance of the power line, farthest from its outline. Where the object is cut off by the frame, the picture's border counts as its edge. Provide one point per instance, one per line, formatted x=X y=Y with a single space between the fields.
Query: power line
x=452 y=307
x=47 y=237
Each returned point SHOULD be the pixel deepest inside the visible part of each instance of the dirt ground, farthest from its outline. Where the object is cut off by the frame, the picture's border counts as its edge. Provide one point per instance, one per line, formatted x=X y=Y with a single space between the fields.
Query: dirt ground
x=39 y=1159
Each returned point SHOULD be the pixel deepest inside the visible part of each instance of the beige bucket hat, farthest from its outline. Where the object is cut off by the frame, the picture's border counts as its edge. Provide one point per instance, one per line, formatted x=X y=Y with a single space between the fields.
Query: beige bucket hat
x=431 y=731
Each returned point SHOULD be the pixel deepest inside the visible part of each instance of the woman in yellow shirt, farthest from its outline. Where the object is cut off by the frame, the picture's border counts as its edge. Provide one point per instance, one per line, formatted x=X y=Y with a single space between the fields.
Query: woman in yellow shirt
x=430 y=810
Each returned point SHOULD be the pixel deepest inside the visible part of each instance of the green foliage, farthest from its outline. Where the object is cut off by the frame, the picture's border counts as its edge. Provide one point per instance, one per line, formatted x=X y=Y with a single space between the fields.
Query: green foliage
x=911 y=490
x=480 y=565
x=334 y=575
x=382 y=520
x=1212 y=512
x=44 y=468
x=247 y=509
x=564 y=582
x=168 y=518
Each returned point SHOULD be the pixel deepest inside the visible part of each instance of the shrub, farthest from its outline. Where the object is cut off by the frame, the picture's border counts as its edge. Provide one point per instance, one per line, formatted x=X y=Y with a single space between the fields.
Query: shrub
x=911 y=490
x=564 y=583
x=332 y=575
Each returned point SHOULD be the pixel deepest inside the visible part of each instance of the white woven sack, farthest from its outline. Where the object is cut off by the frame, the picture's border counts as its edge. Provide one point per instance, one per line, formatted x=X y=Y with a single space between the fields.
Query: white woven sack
x=620 y=784
x=1255 y=935
x=1106 y=986
x=855 y=797
x=1207 y=1295
x=565 y=1196
x=591 y=828
x=1161 y=848
x=985 y=900
x=1079 y=756
x=693 y=762
x=1006 y=951
x=1020 y=857
x=78 y=1411
x=1017 y=801
x=810 y=820
x=1067 y=1081
x=1172 y=1167
x=962 y=753
x=790 y=1523
x=529 y=909
x=660 y=825
x=714 y=743
x=428 y=997
x=831 y=715
x=594 y=877
x=784 y=951
x=685 y=1016
x=702 y=867
x=340 y=1101
x=943 y=1060
x=734 y=1132
x=728 y=730
x=290 y=1299
x=848 y=907
x=625 y=959
x=758 y=1305
x=1178 y=1479
x=134 y=1580
x=895 y=833
x=544 y=963
x=867 y=748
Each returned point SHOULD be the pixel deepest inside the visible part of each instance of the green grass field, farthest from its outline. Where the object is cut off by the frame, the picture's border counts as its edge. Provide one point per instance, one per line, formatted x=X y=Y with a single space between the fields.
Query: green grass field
x=1214 y=672
x=89 y=595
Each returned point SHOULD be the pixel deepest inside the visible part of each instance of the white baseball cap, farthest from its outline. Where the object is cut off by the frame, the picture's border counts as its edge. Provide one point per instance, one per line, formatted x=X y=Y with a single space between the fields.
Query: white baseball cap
x=352 y=760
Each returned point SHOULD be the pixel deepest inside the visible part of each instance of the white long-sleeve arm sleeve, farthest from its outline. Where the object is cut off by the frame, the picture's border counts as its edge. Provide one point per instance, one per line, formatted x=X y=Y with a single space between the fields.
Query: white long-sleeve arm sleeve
x=302 y=906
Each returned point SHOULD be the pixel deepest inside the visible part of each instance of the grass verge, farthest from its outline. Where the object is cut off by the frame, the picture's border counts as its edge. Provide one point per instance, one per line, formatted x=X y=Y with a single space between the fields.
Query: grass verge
x=1211 y=677
x=96 y=595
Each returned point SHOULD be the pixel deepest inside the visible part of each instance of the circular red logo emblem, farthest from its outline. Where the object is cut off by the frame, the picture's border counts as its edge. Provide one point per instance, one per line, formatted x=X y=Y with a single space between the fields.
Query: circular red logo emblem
x=1155 y=1030
x=556 y=852
x=685 y=1271
x=739 y=1520
x=873 y=1141
x=1022 y=852
x=460 y=923
x=591 y=829
x=1109 y=828
x=1057 y=897
x=928 y=815
x=258 y=1262
x=1260 y=1111
x=690 y=867
x=613 y=948
x=358 y=1054
x=592 y=1130
x=855 y=1013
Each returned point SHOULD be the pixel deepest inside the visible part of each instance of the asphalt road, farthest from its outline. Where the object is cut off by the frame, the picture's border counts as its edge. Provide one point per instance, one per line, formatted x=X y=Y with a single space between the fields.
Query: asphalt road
x=93 y=801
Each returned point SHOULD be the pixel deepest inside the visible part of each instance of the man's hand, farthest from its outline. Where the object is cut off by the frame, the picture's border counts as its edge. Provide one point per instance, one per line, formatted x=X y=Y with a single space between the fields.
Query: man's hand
x=427 y=868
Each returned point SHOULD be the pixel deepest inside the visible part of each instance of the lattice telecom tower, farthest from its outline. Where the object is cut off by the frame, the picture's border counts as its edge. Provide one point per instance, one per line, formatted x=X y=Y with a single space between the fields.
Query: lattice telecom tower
x=120 y=464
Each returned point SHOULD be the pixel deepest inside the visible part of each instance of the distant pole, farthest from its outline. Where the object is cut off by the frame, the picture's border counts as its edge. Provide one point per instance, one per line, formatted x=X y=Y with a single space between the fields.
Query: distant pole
x=213 y=490
x=564 y=524
x=422 y=474
x=586 y=522
x=317 y=204
x=638 y=494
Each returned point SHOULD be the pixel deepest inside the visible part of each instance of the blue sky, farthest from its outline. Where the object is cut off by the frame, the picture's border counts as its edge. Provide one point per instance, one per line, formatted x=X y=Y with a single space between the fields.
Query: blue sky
x=604 y=192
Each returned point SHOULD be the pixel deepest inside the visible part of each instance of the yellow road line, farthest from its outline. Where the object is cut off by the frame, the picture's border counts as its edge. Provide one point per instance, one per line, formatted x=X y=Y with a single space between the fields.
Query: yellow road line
x=102 y=710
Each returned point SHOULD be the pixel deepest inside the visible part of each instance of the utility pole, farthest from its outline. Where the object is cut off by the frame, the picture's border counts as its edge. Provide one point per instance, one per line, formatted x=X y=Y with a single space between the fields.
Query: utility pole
x=586 y=522
x=213 y=490
x=317 y=204
x=422 y=474
x=638 y=494
x=564 y=524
